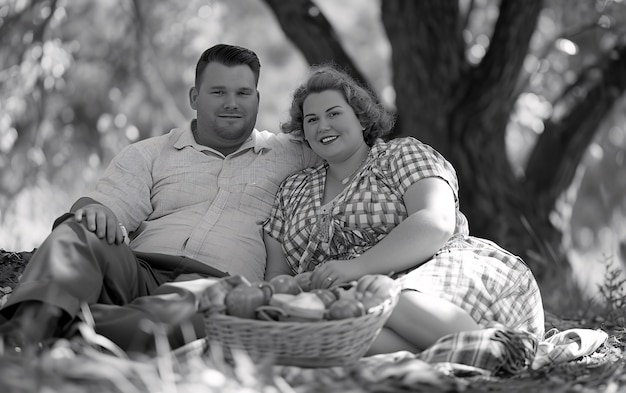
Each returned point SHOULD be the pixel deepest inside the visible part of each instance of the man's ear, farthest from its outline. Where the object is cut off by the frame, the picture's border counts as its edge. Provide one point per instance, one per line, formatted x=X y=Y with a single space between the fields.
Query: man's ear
x=193 y=98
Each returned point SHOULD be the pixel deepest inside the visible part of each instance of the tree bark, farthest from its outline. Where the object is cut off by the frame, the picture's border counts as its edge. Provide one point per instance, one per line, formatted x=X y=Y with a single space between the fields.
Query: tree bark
x=427 y=60
x=493 y=199
x=307 y=27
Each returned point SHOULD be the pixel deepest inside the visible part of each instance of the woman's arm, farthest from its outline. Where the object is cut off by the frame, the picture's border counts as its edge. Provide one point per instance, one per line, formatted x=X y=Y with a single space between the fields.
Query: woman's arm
x=431 y=221
x=276 y=261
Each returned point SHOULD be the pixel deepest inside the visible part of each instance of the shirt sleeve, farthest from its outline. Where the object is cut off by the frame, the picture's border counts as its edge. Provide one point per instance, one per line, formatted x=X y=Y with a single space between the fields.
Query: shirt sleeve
x=307 y=157
x=412 y=160
x=125 y=186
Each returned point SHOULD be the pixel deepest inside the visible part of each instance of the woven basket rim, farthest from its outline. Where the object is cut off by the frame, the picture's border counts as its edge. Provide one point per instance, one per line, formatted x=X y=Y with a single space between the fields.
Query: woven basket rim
x=350 y=337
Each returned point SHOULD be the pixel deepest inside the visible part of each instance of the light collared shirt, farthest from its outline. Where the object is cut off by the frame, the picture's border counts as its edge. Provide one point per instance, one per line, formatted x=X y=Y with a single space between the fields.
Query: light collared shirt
x=177 y=197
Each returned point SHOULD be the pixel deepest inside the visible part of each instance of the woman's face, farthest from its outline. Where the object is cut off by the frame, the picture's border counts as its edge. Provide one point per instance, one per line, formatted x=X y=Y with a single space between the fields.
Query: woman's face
x=331 y=126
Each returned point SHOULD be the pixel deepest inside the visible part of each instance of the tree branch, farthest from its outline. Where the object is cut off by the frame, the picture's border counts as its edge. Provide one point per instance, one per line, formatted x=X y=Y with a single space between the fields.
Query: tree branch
x=498 y=72
x=306 y=26
x=559 y=149
x=150 y=73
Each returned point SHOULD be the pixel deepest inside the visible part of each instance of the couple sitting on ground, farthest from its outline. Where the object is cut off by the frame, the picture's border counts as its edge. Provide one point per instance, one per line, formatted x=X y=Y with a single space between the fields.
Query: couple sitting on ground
x=219 y=197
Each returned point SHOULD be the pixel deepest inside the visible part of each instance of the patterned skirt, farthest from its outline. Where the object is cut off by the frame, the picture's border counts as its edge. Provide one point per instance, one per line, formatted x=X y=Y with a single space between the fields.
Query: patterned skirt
x=486 y=281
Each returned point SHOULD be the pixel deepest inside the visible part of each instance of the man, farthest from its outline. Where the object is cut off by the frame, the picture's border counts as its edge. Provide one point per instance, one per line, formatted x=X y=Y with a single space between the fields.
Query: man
x=192 y=203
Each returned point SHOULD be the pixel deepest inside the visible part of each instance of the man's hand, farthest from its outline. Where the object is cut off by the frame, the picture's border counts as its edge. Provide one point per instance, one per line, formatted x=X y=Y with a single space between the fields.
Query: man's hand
x=100 y=220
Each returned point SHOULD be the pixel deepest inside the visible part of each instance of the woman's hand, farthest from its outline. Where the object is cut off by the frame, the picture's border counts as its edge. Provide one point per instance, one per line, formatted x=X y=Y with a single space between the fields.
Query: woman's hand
x=335 y=272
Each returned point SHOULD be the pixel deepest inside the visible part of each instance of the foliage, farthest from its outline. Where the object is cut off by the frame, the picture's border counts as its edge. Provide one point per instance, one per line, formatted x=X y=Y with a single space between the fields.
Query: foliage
x=613 y=294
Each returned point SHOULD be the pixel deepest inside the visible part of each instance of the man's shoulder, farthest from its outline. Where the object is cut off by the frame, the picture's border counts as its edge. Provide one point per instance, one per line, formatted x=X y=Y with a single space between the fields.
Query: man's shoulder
x=279 y=139
x=293 y=148
x=168 y=138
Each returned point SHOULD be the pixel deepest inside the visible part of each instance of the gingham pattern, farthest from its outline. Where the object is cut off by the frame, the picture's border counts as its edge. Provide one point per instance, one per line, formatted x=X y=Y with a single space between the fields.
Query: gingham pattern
x=480 y=277
x=488 y=282
x=365 y=212
x=496 y=349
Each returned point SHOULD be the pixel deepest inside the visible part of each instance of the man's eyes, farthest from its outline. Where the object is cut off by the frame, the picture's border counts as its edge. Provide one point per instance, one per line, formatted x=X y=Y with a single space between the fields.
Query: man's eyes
x=222 y=92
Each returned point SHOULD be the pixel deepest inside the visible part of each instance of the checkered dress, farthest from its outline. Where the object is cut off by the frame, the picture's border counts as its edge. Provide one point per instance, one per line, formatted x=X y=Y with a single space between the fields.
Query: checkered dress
x=488 y=282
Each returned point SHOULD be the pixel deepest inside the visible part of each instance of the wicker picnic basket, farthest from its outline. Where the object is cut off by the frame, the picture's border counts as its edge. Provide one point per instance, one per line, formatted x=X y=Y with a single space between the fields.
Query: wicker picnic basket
x=305 y=344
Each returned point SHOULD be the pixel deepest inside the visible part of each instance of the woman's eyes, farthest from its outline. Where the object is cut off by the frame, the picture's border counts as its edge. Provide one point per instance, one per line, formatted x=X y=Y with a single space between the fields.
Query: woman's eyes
x=330 y=115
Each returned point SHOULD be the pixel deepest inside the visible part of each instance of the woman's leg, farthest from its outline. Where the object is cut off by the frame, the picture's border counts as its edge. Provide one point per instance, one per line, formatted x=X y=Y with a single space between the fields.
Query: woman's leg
x=419 y=320
x=388 y=341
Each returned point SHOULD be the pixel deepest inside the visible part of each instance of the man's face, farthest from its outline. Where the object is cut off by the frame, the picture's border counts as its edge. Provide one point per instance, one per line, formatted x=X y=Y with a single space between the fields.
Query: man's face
x=227 y=103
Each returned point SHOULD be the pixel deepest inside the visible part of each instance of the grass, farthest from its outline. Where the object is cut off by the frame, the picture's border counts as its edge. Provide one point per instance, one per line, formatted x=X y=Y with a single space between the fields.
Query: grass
x=93 y=364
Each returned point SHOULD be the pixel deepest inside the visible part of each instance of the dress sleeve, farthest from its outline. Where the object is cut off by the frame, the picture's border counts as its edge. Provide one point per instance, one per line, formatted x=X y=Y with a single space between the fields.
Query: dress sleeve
x=274 y=226
x=412 y=160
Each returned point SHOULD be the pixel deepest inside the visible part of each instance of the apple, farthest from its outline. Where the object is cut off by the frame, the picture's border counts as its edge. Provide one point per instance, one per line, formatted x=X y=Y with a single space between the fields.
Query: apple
x=284 y=283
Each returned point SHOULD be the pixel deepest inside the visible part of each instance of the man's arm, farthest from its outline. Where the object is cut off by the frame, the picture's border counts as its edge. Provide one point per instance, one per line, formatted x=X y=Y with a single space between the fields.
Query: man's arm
x=82 y=202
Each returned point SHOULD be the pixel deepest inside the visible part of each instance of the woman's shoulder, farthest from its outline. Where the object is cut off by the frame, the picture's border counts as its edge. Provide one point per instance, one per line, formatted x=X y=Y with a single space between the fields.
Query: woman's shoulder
x=302 y=176
x=403 y=146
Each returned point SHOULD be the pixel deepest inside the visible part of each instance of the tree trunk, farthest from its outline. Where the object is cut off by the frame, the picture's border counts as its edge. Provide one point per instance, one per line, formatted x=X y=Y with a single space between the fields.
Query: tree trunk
x=427 y=60
x=462 y=111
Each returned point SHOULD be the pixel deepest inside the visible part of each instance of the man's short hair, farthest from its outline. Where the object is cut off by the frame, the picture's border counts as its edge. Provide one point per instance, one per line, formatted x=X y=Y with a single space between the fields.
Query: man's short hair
x=228 y=55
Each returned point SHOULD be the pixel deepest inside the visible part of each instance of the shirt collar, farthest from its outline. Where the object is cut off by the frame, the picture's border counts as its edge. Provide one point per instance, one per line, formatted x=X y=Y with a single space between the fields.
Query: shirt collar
x=258 y=141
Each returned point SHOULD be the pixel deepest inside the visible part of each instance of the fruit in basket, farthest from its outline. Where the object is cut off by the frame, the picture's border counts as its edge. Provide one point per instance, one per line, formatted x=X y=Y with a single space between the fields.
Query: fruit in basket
x=345 y=308
x=371 y=301
x=213 y=297
x=243 y=300
x=346 y=291
x=285 y=283
x=326 y=295
x=304 y=306
x=304 y=280
x=271 y=313
x=377 y=285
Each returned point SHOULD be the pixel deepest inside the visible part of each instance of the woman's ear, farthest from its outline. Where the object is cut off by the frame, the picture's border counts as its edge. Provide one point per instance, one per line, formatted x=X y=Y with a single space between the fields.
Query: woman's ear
x=193 y=98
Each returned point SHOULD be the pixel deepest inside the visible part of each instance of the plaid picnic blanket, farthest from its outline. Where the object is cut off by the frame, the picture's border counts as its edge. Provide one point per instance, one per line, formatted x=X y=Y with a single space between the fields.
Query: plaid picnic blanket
x=492 y=351
x=495 y=349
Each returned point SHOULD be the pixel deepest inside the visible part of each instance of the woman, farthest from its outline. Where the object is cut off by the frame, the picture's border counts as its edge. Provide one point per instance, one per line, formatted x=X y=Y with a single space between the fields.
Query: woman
x=389 y=208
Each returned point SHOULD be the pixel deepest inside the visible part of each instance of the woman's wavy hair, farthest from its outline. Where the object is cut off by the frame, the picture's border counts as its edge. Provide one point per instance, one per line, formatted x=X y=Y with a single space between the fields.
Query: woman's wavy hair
x=375 y=119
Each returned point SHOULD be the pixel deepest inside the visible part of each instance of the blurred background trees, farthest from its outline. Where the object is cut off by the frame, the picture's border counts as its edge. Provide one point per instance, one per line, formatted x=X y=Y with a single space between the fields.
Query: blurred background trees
x=526 y=98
